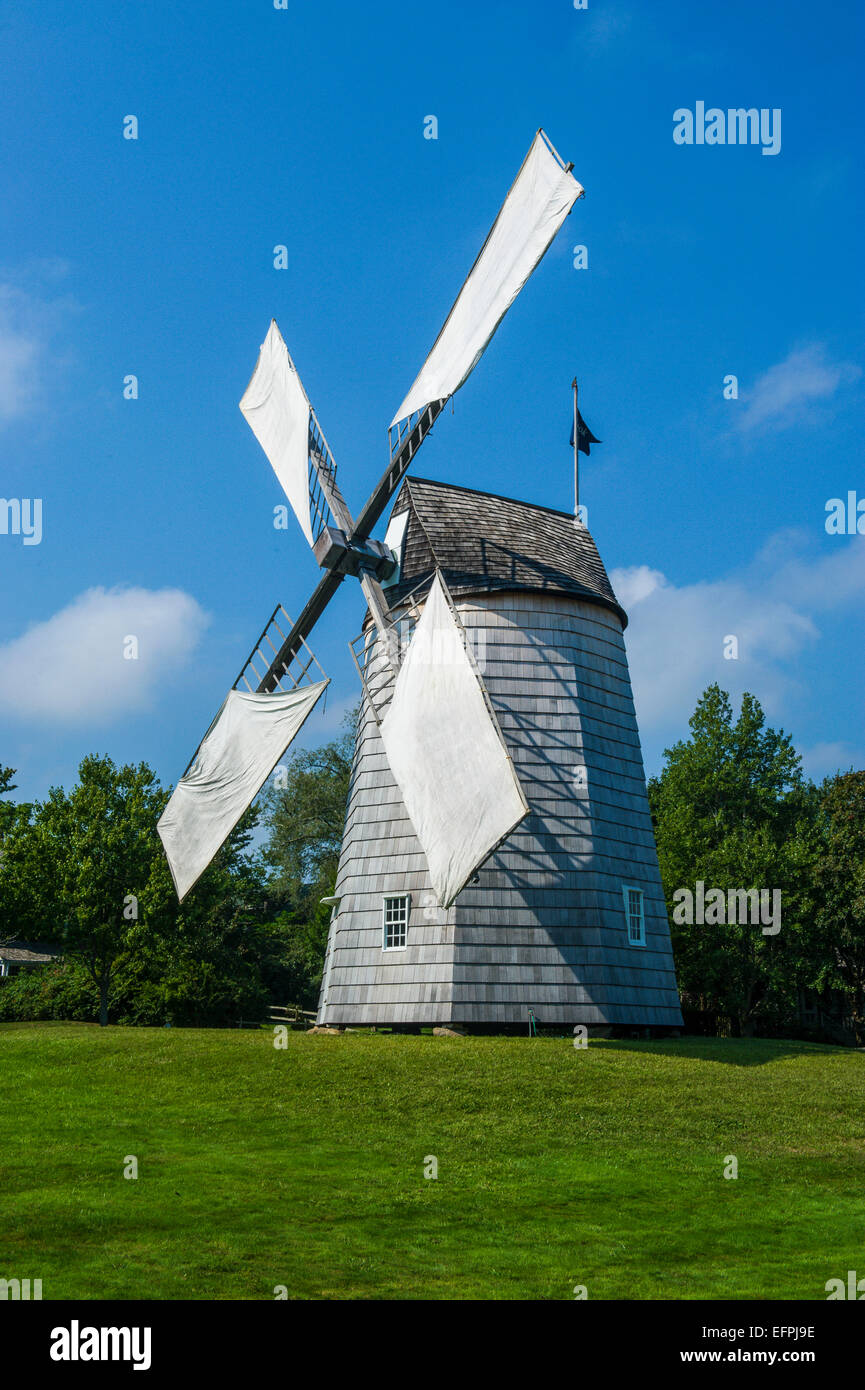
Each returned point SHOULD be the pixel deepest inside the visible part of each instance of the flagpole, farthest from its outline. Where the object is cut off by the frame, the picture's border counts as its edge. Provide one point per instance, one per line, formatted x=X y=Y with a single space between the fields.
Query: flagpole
x=576 y=453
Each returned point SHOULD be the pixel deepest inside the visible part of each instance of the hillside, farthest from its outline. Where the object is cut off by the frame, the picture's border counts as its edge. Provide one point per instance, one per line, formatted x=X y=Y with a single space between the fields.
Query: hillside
x=304 y=1167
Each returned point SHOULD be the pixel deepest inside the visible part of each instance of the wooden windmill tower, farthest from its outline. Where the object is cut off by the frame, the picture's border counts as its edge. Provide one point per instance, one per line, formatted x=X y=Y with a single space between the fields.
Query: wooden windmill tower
x=498 y=855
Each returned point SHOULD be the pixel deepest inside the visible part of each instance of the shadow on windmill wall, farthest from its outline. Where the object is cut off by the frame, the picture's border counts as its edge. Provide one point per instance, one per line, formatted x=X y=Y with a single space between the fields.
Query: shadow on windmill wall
x=544 y=870
x=588 y=833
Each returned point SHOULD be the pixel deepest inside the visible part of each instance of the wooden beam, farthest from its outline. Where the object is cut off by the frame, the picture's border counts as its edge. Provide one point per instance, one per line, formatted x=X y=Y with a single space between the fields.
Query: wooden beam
x=315 y=606
x=394 y=473
x=330 y=582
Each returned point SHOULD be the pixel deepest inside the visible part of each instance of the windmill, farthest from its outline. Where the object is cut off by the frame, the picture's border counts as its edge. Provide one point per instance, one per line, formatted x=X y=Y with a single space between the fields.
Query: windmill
x=452 y=843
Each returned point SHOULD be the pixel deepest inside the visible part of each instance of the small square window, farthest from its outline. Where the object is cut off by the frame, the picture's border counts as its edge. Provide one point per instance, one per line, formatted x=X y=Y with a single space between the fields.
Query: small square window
x=634 y=915
x=395 y=912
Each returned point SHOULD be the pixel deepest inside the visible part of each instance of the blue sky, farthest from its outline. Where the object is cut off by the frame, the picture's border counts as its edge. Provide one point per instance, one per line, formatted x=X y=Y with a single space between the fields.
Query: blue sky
x=304 y=127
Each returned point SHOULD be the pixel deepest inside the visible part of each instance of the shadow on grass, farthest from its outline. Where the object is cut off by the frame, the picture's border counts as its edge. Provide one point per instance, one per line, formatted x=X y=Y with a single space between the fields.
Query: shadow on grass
x=735 y=1052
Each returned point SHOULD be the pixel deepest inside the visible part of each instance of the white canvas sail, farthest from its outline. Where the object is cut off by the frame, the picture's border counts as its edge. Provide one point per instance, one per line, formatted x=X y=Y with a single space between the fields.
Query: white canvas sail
x=446 y=752
x=236 y=756
x=540 y=199
x=276 y=407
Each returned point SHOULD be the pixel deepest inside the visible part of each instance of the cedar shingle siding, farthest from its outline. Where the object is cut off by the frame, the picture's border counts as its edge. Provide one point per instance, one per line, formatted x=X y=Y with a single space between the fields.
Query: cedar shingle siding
x=544 y=926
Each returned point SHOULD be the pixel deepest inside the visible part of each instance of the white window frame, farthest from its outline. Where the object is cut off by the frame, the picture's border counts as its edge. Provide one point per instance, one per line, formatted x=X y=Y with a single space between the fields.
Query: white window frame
x=389 y=898
x=627 y=889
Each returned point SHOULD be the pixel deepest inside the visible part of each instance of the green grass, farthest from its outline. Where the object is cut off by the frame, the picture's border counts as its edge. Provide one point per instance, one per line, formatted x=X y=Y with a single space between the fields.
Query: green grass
x=304 y=1167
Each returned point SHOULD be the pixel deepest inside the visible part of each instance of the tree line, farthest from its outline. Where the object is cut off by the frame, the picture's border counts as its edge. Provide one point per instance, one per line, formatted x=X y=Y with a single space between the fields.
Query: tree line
x=84 y=871
x=734 y=817
x=733 y=811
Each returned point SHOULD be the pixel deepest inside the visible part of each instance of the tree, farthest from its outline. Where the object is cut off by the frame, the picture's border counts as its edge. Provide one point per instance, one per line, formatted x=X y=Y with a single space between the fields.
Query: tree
x=79 y=866
x=839 y=885
x=305 y=812
x=733 y=810
x=7 y=817
x=8 y=810
x=6 y=783
x=87 y=869
x=207 y=958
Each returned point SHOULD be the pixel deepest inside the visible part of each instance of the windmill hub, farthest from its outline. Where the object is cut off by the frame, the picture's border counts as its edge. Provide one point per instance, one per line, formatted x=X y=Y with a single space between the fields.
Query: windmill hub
x=339 y=553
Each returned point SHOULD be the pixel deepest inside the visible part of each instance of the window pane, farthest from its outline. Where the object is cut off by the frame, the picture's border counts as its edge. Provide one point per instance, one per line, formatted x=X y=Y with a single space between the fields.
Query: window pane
x=396 y=911
x=635 y=916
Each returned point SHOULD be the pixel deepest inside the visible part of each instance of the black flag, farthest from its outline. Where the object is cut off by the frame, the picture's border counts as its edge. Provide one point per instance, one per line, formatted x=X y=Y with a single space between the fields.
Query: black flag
x=586 y=436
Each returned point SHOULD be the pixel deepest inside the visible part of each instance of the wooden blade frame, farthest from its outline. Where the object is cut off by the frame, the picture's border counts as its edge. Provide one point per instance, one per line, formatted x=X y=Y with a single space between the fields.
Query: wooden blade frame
x=405 y=440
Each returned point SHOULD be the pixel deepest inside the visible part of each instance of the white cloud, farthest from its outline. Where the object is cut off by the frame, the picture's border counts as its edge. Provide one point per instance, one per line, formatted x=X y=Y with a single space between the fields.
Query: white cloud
x=30 y=316
x=71 y=668
x=634 y=584
x=19 y=354
x=825 y=759
x=676 y=634
x=821 y=586
x=782 y=395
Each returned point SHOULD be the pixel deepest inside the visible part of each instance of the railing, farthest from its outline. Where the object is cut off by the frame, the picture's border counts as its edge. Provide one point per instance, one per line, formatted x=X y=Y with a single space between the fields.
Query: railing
x=326 y=502
x=289 y=1015
x=376 y=677
x=293 y=671
x=405 y=439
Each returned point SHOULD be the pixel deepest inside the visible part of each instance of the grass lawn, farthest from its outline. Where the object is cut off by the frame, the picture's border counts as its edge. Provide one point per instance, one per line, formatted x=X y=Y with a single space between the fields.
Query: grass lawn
x=305 y=1167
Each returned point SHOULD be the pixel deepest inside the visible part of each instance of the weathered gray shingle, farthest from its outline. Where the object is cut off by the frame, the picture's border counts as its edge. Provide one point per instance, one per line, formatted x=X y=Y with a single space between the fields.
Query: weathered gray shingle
x=543 y=926
x=483 y=543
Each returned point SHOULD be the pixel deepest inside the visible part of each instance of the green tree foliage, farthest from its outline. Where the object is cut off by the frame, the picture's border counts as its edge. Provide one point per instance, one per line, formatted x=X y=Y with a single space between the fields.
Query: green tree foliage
x=733 y=810
x=7 y=808
x=207 y=958
x=86 y=869
x=7 y=816
x=63 y=990
x=305 y=810
x=6 y=783
x=79 y=866
x=305 y=813
x=838 y=936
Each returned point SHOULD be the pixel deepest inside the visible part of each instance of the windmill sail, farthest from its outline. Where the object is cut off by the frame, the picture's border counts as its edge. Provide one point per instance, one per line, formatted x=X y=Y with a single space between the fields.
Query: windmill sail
x=276 y=408
x=447 y=754
x=540 y=199
x=236 y=756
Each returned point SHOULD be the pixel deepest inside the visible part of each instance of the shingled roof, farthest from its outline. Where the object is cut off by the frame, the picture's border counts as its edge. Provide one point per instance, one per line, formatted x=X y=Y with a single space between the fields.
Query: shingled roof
x=484 y=542
x=29 y=952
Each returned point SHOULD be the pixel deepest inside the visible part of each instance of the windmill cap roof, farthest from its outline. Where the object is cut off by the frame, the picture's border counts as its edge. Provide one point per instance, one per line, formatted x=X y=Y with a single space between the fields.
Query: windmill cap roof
x=485 y=542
